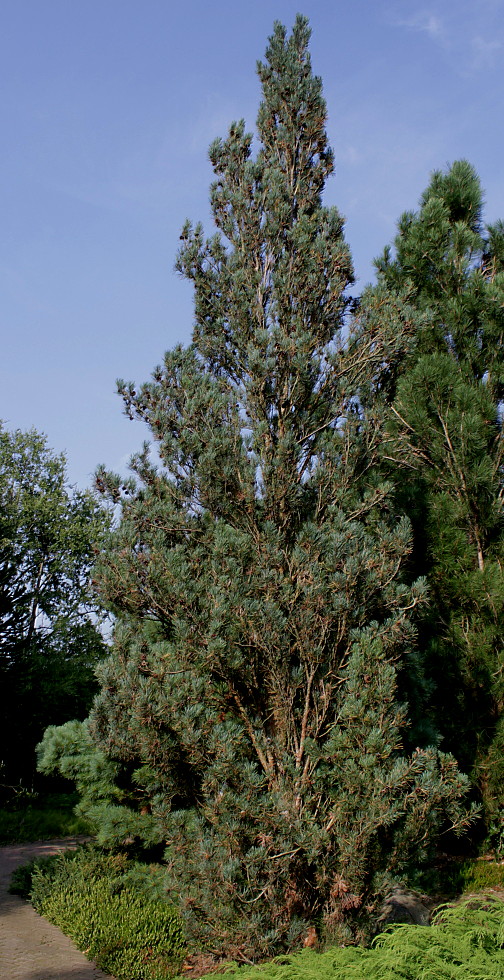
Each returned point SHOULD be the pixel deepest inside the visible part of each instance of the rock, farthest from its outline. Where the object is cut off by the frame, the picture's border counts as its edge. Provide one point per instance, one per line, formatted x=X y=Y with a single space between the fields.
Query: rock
x=402 y=905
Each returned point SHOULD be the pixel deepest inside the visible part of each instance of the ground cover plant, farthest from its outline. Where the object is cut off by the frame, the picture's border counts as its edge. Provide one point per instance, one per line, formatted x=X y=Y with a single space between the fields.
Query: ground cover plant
x=479 y=875
x=110 y=907
x=22 y=877
x=464 y=942
x=114 y=909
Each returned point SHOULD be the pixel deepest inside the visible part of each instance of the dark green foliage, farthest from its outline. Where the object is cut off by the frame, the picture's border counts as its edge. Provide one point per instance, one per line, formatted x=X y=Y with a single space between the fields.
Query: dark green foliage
x=465 y=942
x=49 y=642
x=22 y=877
x=457 y=877
x=446 y=431
x=110 y=793
x=41 y=818
x=96 y=900
x=249 y=712
x=495 y=838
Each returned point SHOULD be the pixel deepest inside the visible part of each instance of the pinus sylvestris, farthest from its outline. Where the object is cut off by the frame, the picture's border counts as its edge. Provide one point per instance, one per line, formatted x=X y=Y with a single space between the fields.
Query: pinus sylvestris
x=251 y=692
x=446 y=442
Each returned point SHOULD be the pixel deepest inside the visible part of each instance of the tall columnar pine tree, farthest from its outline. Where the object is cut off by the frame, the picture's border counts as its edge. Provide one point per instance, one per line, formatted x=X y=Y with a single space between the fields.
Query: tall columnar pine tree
x=447 y=428
x=251 y=694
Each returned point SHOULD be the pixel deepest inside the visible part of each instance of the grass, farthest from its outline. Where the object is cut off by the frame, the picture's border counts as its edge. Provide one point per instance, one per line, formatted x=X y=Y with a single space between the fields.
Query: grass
x=43 y=819
x=482 y=874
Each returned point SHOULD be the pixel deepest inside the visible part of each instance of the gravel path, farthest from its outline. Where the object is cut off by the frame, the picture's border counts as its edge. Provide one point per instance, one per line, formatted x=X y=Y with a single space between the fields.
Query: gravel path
x=30 y=947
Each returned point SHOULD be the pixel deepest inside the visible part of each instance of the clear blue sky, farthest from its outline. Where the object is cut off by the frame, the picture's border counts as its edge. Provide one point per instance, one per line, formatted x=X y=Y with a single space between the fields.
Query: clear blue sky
x=107 y=109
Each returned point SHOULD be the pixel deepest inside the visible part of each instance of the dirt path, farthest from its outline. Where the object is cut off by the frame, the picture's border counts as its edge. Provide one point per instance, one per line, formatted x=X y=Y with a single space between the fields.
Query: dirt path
x=30 y=947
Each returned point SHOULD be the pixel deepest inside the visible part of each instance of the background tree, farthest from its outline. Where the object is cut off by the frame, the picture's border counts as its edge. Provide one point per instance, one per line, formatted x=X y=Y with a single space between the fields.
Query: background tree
x=446 y=429
x=250 y=698
x=49 y=640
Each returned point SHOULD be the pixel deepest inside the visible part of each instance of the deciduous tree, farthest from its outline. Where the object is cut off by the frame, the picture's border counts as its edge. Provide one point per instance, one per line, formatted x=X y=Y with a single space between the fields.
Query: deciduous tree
x=49 y=641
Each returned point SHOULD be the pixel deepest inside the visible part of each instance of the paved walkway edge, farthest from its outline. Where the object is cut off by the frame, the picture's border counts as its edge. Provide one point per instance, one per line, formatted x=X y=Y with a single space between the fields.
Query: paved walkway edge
x=30 y=947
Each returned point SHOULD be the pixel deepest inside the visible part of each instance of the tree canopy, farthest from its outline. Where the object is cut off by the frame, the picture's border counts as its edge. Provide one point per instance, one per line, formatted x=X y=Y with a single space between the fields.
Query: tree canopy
x=49 y=640
x=446 y=451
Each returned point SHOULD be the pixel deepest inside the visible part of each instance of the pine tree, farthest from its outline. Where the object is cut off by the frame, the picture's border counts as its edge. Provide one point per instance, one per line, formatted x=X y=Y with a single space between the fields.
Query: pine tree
x=251 y=697
x=447 y=428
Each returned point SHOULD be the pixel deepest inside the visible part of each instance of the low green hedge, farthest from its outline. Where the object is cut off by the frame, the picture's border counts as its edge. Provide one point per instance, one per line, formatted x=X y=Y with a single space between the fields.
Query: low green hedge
x=22 y=877
x=92 y=899
x=125 y=934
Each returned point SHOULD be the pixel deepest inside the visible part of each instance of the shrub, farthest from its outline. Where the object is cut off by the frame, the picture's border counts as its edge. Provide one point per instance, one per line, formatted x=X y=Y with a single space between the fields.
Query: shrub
x=21 y=878
x=91 y=899
x=465 y=942
x=495 y=839
x=125 y=933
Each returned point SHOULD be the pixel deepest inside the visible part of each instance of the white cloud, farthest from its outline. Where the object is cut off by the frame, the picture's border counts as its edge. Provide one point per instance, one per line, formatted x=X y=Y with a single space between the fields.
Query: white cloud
x=425 y=21
x=348 y=153
x=429 y=23
x=470 y=35
x=484 y=52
